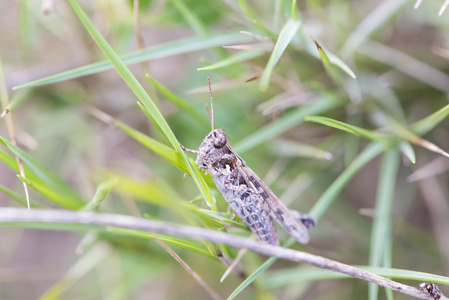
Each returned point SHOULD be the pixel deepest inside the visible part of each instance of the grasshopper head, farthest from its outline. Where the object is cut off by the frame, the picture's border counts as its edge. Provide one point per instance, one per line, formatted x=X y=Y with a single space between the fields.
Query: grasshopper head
x=212 y=149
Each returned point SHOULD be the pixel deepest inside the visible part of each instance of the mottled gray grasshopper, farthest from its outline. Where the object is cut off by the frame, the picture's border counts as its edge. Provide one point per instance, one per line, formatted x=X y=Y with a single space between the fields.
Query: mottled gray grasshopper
x=246 y=193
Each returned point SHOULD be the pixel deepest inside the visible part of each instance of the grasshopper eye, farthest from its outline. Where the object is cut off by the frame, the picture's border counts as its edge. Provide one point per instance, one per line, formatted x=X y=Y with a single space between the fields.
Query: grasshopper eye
x=220 y=141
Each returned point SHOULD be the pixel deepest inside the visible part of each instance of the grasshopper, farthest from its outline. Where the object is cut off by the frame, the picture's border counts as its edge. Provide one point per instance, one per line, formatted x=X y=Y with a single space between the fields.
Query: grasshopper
x=249 y=197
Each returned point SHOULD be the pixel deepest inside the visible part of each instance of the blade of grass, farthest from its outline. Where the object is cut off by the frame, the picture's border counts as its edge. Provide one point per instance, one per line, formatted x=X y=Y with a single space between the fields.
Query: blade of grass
x=162 y=150
x=374 y=21
x=290 y=120
x=246 y=9
x=102 y=192
x=190 y=246
x=329 y=67
x=194 y=22
x=425 y=125
x=50 y=194
x=233 y=59
x=259 y=271
x=329 y=195
x=382 y=220
x=48 y=180
x=17 y=197
x=143 y=97
x=348 y=128
x=160 y=51
x=408 y=151
x=287 y=33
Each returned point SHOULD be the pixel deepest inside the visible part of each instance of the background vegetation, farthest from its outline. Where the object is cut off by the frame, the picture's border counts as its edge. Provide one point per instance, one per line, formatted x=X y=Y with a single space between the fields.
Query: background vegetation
x=344 y=118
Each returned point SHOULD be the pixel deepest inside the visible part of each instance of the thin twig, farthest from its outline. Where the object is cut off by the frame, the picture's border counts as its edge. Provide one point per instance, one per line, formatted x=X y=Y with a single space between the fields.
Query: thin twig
x=61 y=216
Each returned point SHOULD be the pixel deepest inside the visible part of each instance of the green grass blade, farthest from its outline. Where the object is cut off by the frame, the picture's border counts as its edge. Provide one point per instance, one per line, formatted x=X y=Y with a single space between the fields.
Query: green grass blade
x=143 y=97
x=382 y=220
x=9 y=161
x=164 y=151
x=287 y=122
x=233 y=59
x=17 y=197
x=179 y=102
x=328 y=66
x=102 y=192
x=49 y=180
x=247 y=10
x=346 y=127
x=408 y=151
x=428 y=123
x=50 y=194
x=194 y=22
x=375 y=20
x=190 y=246
x=259 y=271
x=152 y=53
x=326 y=199
x=287 y=33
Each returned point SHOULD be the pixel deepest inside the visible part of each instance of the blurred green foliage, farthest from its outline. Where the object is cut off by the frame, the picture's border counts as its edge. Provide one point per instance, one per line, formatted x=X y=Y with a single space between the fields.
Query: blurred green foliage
x=337 y=93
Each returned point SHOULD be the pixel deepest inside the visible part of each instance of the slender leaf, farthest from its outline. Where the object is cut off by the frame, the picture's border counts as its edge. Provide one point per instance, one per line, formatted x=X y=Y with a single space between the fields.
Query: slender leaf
x=287 y=122
x=49 y=182
x=17 y=197
x=164 y=151
x=287 y=33
x=233 y=59
x=348 y=128
x=382 y=220
x=102 y=192
x=160 y=51
x=143 y=97
x=190 y=246
x=258 y=272
x=428 y=123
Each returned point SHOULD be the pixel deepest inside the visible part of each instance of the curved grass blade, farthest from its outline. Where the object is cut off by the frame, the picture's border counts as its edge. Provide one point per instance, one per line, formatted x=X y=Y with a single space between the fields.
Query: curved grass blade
x=246 y=9
x=48 y=180
x=164 y=151
x=156 y=52
x=259 y=271
x=235 y=58
x=143 y=97
x=329 y=67
x=428 y=123
x=408 y=151
x=50 y=194
x=287 y=33
x=348 y=128
x=102 y=192
x=191 y=18
x=288 y=121
x=190 y=246
x=375 y=20
x=17 y=197
x=382 y=220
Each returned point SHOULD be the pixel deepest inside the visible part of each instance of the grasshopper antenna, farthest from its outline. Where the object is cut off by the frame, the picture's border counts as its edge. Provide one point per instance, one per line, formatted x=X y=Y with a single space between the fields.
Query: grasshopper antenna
x=211 y=114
